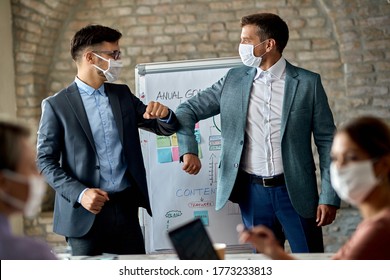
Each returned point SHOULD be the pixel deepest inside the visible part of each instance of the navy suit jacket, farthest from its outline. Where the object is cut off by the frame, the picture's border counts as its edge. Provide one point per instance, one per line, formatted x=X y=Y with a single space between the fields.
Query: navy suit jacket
x=67 y=157
x=305 y=114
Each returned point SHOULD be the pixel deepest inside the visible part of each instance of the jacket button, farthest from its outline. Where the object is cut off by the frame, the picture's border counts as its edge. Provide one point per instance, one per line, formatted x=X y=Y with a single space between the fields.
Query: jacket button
x=241 y=142
x=236 y=165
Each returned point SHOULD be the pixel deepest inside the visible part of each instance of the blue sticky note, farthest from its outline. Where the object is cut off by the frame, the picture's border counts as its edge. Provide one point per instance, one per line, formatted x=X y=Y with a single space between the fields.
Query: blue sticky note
x=164 y=155
x=197 y=135
x=203 y=215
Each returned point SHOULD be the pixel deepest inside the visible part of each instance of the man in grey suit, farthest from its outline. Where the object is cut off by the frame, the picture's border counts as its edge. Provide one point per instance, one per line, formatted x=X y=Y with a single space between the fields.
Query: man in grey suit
x=89 y=149
x=269 y=111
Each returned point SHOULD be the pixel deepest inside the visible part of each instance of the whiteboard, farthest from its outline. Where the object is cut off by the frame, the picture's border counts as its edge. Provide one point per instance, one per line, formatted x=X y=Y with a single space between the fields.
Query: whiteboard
x=177 y=197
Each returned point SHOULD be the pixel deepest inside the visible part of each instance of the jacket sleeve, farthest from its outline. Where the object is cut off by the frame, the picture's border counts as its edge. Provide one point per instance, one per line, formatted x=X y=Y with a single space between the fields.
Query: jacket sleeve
x=157 y=126
x=323 y=131
x=199 y=107
x=50 y=143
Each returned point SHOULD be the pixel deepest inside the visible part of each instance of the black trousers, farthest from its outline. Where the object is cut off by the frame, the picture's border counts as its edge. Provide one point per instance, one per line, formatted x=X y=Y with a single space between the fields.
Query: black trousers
x=116 y=229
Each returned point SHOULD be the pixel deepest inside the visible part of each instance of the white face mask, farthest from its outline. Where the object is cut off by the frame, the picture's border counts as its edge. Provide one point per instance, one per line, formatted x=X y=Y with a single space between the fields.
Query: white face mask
x=246 y=52
x=113 y=71
x=37 y=190
x=354 y=182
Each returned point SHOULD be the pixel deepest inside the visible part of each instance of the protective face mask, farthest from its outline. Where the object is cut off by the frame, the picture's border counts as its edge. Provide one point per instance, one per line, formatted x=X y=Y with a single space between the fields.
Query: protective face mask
x=247 y=55
x=113 y=71
x=37 y=190
x=354 y=182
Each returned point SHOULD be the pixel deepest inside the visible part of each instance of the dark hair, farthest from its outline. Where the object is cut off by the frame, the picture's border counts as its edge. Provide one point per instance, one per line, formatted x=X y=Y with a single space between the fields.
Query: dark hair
x=92 y=35
x=270 y=26
x=10 y=135
x=370 y=133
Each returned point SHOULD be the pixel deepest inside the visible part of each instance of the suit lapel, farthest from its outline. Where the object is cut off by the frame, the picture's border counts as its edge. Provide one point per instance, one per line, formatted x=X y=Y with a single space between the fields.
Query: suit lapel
x=116 y=109
x=290 y=89
x=77 y=106
x=246 y=85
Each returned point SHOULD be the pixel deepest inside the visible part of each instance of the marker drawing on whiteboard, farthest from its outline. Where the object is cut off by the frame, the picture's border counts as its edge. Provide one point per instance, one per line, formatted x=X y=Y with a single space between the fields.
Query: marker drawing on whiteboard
x=213 y=169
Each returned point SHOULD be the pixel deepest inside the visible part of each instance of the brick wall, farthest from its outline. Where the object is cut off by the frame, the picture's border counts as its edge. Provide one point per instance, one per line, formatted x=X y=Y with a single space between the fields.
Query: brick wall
x=346 y=41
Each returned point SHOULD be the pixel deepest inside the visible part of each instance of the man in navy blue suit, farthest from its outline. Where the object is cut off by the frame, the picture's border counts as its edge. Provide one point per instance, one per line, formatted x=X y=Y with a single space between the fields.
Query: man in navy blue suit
x=89 y=149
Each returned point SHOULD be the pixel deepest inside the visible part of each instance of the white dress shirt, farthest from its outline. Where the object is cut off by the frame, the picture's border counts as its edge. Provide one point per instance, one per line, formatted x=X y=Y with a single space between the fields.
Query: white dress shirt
x=262 y=150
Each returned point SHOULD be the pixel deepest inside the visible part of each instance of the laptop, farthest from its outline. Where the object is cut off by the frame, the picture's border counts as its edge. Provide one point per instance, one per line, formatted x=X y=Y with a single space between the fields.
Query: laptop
x=192 y=242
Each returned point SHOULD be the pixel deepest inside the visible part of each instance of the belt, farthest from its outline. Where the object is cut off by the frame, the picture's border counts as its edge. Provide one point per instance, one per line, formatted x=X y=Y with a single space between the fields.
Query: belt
x=273 y=181
x=120 y=196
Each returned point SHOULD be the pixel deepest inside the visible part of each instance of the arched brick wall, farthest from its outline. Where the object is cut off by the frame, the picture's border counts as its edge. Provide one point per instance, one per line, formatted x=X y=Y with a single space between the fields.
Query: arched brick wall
x=346 y=41
x=363 y=36
x=36 y=26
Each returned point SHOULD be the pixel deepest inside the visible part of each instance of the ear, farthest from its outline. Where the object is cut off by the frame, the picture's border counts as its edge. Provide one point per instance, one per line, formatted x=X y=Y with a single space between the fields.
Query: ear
x=271 y=44
x=386 y=162
x=89 y=57
x=382 y=167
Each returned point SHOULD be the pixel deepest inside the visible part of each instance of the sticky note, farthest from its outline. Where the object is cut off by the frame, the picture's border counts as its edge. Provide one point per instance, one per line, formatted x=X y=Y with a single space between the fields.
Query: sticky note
x=163 y=141
x=175 y=153
x=164 y=155
x=174 y=140
x=203 y=215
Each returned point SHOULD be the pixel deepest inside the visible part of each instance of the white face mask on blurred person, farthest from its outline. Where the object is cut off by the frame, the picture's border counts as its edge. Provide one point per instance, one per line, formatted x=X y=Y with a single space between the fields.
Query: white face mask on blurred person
x=113 y=71
x=36 y=192
x=354 y=182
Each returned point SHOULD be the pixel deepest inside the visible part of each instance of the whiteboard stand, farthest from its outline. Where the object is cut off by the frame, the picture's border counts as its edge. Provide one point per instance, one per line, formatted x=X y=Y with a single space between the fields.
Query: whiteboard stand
x=177 y=197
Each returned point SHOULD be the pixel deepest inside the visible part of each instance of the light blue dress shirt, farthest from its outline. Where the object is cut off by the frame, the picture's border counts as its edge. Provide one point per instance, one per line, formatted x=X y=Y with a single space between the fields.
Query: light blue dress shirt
x=106 y=137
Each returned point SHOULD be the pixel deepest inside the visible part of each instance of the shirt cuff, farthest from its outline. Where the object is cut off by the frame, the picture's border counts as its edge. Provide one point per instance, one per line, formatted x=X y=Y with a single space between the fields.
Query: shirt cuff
x=81 y=195
x=168 y=118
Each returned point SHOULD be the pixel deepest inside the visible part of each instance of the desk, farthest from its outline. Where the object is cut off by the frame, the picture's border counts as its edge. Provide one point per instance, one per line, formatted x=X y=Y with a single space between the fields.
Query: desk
x=244 y=256
x=240 y=256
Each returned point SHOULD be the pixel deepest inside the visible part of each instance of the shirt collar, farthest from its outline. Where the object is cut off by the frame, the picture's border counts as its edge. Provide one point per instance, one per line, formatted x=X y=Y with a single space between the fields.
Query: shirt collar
x=84 y=88
x=275 y=70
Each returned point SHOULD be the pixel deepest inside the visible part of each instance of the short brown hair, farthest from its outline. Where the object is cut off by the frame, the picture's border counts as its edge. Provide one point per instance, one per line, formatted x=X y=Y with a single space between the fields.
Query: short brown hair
x=270 y=26
x=10 y=135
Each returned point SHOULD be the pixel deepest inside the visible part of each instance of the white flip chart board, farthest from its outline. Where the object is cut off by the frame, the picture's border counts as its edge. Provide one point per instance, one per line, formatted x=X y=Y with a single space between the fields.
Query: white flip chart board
x=177 y=197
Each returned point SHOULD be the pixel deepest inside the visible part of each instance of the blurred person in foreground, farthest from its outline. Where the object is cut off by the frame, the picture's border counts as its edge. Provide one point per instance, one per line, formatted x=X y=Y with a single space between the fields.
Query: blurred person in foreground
x=89 y=149
x=21 y=190
x=360 y=174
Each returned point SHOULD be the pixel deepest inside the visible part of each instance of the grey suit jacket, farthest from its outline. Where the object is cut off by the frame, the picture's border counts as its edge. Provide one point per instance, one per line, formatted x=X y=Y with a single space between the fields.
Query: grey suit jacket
x=305 y=113
x=66 y=153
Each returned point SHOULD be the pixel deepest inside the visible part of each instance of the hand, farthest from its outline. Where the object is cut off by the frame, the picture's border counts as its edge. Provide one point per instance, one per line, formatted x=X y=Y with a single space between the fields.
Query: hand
x=191 y=164
x=260 y=236
x=155 y=110
x=325 y=214
x=263 y=239
x=93 y=200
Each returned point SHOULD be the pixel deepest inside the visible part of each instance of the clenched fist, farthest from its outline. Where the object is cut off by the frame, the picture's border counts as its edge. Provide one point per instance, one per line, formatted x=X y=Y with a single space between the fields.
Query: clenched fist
x=155 y=110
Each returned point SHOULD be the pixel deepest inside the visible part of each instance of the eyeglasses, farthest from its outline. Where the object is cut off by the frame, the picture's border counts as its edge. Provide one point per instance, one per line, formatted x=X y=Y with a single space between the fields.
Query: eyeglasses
x=114 y=54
